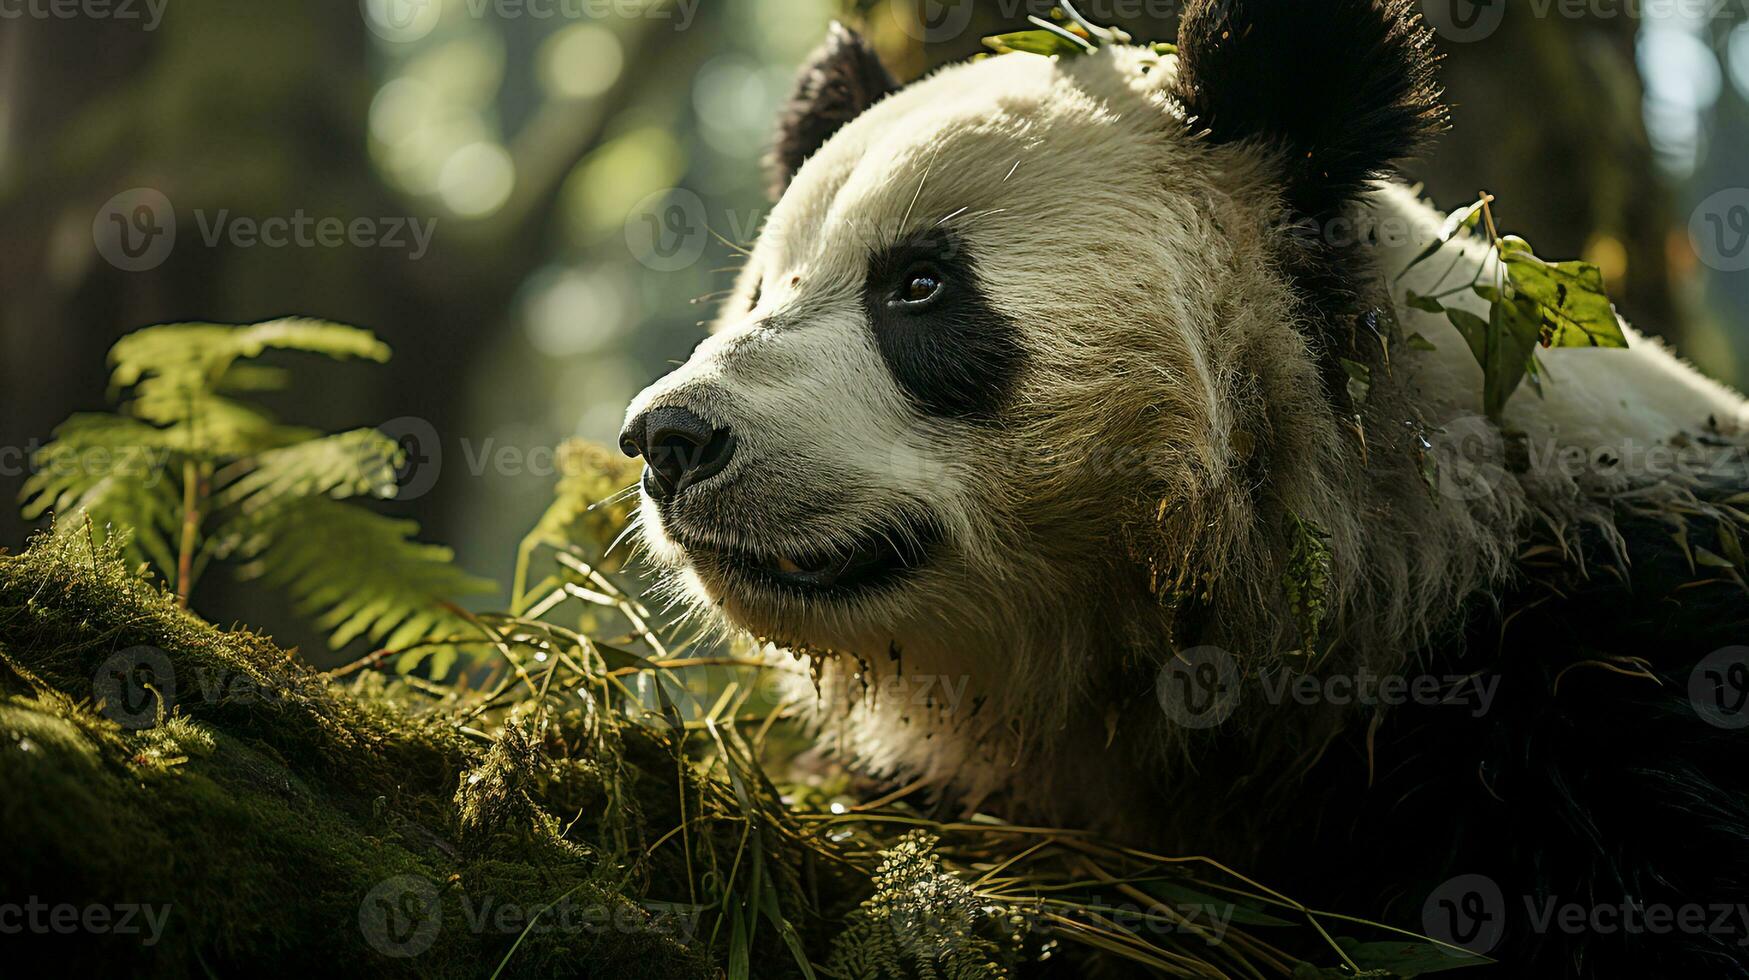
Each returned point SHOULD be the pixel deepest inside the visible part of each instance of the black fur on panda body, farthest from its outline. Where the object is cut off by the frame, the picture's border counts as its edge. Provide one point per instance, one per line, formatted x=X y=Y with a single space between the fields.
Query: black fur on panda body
x=1589 y=783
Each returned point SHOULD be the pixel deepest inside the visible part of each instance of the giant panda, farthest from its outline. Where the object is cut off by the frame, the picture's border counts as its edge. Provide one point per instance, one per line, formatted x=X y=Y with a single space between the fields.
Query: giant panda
x=1039 y=379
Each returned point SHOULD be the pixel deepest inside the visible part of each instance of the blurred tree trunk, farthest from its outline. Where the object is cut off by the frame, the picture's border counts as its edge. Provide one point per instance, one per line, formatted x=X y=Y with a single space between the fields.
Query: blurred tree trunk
x=260 y=109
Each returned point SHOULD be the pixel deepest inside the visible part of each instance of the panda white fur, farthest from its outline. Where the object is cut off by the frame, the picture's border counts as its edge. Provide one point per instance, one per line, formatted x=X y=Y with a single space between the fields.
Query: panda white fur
x=1034 y=388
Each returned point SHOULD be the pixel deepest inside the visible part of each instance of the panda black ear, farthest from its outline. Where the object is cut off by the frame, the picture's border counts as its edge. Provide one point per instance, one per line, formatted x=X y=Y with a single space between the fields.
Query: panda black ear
x=1341 y=88
x=839 y=80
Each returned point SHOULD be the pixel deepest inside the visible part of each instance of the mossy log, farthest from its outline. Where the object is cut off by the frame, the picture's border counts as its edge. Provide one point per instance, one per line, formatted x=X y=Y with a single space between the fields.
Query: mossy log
x=180 y=800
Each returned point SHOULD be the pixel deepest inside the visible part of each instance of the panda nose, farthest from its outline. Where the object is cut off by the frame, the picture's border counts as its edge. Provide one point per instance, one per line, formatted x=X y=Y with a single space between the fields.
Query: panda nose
x=679 y=449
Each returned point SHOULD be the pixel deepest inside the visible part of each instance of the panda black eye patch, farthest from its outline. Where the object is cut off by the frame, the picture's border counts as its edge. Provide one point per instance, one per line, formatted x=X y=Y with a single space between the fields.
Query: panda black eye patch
x=948 y=347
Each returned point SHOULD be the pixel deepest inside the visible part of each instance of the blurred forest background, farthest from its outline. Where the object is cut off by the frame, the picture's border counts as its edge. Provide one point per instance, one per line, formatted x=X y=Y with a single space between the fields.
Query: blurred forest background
x=588 y=165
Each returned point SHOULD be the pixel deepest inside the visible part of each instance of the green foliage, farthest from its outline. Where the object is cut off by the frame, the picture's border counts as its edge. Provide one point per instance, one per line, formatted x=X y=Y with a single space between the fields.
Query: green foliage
x=1066 y=34
x=1306 y=578
x=358 y=573
x=187 y=471
x=1532 y=303
x=582 y=769
x=921 y=923
x=279 y=815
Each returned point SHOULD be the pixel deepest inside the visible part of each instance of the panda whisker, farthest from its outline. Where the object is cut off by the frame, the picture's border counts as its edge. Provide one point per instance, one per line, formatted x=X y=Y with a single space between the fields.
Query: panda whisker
x=719 y=237
x=613 y=498
x=962 y=210
x=631 y=528
x=906 y=220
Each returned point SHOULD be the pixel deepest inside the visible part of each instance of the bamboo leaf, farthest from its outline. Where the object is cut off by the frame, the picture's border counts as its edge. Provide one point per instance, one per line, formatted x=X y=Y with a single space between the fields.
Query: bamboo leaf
x=1573 y=308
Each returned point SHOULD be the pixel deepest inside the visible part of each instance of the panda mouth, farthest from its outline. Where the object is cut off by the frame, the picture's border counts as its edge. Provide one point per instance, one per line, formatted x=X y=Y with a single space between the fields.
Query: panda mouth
x=881 y=556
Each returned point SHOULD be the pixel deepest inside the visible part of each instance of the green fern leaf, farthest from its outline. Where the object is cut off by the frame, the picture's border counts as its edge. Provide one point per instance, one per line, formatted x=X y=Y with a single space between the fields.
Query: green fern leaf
x=588 y=508
x=118 y=472
x=349 y=464
x=360 y=574
x=176 y=371
x=197 y=355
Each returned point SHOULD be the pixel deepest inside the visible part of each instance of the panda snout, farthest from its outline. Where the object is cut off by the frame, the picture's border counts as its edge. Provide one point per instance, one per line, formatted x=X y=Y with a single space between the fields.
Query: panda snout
x=679 y=448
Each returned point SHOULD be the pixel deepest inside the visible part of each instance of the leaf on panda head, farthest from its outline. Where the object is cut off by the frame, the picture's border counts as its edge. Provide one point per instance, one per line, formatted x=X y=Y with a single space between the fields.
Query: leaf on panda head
x=1464 y=220
x=1049 y=43
x=1531 y=303
x=1574 y=309
x=1513 y=327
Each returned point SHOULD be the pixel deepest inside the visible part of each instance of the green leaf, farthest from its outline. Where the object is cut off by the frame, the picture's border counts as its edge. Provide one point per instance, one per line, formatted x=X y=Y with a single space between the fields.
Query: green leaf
x=1425 y=303
x=1513 y=328
x=1306 y=580
x=360 y=462
x=176 y=371
x=1179 y=895
x=1409 y=959
x=1575 y=309
x=1474 y=330
x=1465 y=219
x=123 y=474
x=740 y=955
x=774 y=914
x=1417 y=342
x=360 y=574
x=1046 y=42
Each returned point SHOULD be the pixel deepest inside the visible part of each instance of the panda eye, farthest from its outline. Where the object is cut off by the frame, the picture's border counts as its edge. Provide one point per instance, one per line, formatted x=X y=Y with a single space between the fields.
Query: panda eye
x=919 y=287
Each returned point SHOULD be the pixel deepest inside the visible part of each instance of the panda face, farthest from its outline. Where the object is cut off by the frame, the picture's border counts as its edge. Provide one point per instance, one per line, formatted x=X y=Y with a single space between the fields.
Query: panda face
x=900 y=343
x=1004 y=339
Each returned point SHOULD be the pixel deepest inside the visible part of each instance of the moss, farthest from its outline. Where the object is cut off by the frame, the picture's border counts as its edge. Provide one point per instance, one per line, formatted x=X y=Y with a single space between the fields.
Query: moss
x=271 y=821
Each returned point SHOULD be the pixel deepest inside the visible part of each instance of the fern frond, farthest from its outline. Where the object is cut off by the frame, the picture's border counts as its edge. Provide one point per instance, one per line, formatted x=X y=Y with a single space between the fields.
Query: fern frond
x=360 y=574
x=347 y=464
x=921 y=923
x=196 y=355
x=582 y=512
x=176 y=372
x=119 y=472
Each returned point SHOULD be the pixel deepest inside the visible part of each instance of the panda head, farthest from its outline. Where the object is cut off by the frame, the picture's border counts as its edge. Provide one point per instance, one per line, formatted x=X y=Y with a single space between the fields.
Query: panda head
x=985 y=349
